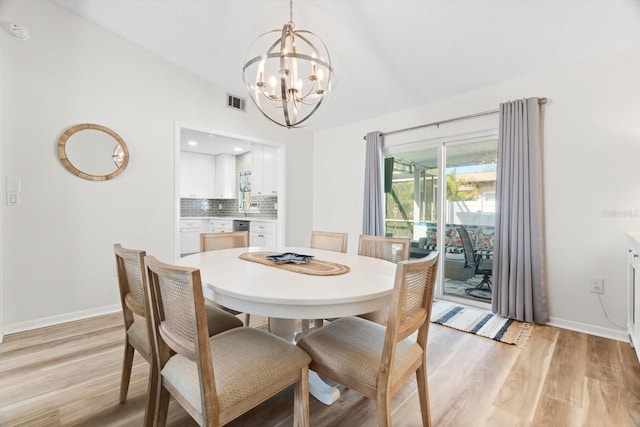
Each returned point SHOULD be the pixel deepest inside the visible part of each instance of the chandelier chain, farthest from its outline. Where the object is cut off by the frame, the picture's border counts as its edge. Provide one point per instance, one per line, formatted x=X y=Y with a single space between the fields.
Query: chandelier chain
x=291 y=13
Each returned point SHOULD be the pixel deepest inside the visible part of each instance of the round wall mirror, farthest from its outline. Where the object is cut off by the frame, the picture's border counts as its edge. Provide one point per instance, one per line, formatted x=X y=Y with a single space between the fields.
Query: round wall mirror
x=93 y=152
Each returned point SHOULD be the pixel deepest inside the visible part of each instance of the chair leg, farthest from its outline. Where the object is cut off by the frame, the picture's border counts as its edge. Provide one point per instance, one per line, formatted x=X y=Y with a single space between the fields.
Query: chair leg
x=383 y=409
x=247 y=319
x=152 y=396
x=127 y=363
x=486 y=279
x=163 y=406
x=423 y=394
x=301 y=400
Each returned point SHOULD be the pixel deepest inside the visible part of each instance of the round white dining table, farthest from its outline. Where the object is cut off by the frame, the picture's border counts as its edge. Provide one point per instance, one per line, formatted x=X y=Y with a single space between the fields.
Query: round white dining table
x=286 y=296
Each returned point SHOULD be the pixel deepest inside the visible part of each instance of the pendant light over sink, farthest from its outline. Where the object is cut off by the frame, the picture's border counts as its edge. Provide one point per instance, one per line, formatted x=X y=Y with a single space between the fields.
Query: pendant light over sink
x=288 y=74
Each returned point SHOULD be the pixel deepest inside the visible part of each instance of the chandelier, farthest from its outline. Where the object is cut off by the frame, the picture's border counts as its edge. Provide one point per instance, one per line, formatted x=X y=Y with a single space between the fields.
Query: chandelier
x=288 y=74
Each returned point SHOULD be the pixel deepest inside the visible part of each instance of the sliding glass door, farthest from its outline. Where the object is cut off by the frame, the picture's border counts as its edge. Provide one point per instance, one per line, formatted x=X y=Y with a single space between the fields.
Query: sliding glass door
x=442 y=196
x=411 y=193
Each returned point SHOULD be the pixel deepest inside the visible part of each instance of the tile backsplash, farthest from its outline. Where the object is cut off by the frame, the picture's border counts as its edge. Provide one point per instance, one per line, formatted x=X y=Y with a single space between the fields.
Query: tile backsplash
x=207 y=207
x=228 y=207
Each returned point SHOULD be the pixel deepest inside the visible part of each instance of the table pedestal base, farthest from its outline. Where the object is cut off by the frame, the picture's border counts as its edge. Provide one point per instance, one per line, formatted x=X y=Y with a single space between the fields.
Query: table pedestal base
x=286 y=328
x=321 y=390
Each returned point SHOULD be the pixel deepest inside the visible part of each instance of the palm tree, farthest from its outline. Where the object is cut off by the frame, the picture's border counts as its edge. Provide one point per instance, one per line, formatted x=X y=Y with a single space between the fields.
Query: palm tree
x=459 y=189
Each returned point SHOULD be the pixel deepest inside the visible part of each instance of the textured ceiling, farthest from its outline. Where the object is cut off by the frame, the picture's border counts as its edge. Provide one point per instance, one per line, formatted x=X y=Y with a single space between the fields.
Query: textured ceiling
x=388 y=55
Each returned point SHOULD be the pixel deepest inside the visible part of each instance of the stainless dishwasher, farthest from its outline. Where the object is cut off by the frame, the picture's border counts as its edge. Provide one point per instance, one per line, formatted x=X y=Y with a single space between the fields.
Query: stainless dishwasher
x=240 y=225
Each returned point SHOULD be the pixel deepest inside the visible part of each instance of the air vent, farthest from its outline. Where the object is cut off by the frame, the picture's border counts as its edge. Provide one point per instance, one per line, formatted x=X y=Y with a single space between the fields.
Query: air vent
x=236 y=102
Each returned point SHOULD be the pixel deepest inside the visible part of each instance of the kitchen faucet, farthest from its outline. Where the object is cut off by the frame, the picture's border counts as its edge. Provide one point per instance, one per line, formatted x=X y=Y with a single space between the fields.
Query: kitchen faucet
x=243 y=206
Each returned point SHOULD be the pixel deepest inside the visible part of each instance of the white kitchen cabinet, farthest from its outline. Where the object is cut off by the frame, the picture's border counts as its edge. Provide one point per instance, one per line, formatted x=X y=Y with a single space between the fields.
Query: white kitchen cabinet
x=264 y=170
x=221 y=225
x=257 y=154
x=190 y=230
x=633 y=322
x=197 y=175
x=269 y=171
x=262 y=233
x=225 y=176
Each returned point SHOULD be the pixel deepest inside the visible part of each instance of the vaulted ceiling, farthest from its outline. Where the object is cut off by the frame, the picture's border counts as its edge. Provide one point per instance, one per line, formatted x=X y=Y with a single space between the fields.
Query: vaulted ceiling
x=388 y=55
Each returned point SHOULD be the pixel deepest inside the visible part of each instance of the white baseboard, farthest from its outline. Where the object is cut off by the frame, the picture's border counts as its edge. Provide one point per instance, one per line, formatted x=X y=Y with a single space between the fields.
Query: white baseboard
x=55 y=320
x=599 y=331
x=615 y=334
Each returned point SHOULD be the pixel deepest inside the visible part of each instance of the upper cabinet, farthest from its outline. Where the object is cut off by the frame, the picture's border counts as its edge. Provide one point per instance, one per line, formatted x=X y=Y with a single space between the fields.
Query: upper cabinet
x=263 y=170
x=203 y=176
x=197 y=175
x=225 y=176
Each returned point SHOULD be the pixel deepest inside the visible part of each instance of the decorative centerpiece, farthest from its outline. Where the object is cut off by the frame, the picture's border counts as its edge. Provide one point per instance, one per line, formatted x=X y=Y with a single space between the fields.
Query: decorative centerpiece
x=290 y=257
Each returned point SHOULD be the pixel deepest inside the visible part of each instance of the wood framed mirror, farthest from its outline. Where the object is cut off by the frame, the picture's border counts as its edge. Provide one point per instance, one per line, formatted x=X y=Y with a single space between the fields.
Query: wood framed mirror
x=93 y=152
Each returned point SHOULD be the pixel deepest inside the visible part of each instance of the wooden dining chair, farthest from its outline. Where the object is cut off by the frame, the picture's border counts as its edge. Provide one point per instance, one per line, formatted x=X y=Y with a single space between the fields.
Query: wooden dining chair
x=392 y=249
x=377 y=361
x=329 y=241
x=138 y=326
x=226 y=240
x=216 y=379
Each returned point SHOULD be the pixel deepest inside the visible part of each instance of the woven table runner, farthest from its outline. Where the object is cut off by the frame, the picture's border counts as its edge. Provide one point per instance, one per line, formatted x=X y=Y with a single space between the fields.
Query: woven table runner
x=315 y=267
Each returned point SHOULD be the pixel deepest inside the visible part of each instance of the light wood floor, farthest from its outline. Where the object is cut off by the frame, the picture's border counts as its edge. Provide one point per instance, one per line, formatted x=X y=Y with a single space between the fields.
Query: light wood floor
x=68 y=375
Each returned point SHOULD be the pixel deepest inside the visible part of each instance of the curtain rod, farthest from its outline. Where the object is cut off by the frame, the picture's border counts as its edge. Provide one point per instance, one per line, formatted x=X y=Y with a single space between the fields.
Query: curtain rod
x=541 y=101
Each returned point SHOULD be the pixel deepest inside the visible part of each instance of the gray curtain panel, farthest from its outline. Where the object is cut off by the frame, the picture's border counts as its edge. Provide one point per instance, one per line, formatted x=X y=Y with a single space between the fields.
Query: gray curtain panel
x=518 y=267
x=373 y=214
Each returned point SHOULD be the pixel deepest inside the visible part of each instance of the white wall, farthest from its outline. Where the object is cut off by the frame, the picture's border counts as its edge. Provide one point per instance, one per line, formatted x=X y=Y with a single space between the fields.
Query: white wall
x=57 y=245
x=591 y=161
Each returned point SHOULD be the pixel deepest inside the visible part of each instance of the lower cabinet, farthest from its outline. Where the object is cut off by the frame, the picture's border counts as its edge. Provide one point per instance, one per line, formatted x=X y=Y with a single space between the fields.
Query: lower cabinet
x=262 y=233
x=190 y=230
x=220 y=225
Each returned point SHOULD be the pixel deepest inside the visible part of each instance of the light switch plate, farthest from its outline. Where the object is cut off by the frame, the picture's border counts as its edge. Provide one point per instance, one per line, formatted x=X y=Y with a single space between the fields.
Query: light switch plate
x=13 y=198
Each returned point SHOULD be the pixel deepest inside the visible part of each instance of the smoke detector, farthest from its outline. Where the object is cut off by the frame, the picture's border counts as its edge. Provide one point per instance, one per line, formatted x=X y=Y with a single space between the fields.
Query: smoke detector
x=18 y=31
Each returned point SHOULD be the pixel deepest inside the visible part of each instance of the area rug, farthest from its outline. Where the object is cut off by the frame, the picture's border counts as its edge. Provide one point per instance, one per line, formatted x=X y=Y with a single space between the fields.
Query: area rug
x=480 y=322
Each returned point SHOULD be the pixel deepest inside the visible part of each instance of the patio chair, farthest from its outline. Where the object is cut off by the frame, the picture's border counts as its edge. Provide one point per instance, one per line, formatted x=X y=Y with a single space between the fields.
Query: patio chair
x=474 y=259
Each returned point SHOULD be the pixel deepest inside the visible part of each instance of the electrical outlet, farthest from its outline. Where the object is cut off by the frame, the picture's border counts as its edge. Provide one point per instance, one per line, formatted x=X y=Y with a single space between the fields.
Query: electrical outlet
x=597 y=285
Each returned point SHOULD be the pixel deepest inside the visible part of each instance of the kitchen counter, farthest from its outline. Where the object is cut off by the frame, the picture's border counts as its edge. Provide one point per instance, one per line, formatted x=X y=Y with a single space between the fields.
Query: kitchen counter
x=242 y=218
